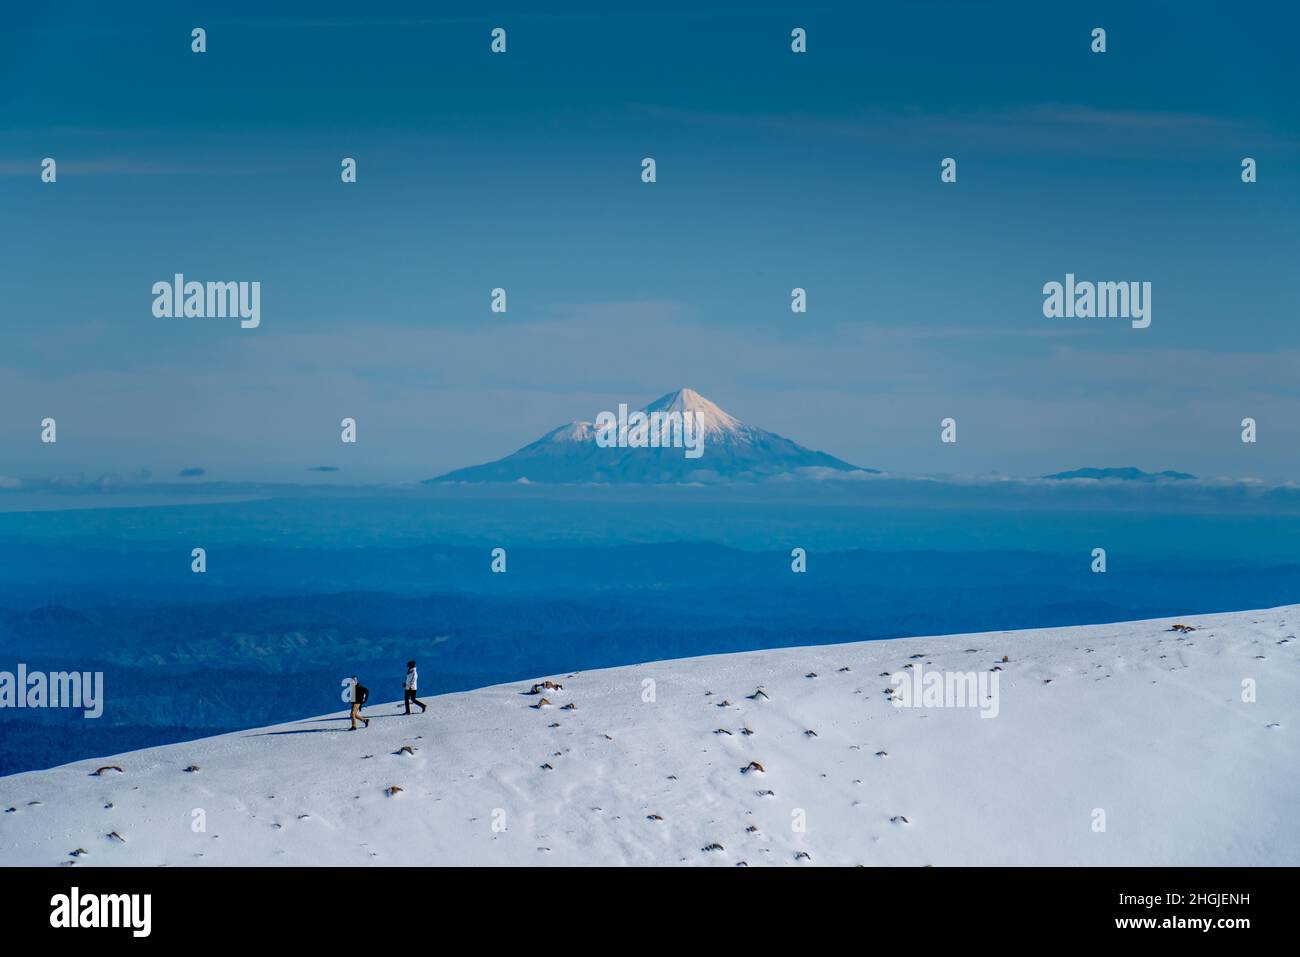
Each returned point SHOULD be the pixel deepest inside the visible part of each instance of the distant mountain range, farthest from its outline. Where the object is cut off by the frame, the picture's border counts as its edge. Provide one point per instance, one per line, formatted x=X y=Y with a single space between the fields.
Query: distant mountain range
x=1129 y=474
x=731 y=451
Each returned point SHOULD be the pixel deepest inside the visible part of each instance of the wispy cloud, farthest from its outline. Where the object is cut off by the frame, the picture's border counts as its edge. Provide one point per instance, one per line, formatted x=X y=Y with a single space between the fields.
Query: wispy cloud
x=1047 y=127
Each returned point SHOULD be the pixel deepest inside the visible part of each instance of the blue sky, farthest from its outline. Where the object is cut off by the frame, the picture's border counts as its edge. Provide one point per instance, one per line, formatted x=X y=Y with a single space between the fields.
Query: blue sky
x=522 y=171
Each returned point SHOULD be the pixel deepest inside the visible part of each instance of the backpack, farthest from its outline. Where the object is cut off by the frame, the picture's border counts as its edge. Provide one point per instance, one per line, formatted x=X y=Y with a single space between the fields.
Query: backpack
x=362 y=694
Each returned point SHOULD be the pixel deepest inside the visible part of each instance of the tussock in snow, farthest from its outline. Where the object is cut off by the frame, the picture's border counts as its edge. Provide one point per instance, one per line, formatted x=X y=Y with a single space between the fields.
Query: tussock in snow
x=1143 y=727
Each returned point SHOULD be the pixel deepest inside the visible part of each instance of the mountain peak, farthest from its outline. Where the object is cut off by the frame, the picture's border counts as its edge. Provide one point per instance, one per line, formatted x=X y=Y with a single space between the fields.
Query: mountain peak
x=710 y=416
x=730 y=450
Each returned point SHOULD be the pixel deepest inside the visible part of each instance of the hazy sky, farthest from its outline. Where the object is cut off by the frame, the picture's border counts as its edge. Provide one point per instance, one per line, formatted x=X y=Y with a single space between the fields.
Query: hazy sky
x=522 y=171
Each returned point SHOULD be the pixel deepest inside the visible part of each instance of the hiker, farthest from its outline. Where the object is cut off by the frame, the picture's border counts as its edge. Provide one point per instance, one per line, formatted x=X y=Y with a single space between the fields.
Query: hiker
x=359 y=695
x=411 y=678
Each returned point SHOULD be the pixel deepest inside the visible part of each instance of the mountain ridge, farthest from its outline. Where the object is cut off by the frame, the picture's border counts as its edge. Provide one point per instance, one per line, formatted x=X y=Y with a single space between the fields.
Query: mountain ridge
x=1124 y=474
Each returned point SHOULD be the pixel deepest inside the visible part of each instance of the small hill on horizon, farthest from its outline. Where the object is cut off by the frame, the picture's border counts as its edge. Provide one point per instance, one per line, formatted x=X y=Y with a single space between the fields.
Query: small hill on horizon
x=1128 y=474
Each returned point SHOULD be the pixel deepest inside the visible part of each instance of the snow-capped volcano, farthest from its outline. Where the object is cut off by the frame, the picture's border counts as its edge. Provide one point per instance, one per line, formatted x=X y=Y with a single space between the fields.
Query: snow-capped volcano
x=579 y=452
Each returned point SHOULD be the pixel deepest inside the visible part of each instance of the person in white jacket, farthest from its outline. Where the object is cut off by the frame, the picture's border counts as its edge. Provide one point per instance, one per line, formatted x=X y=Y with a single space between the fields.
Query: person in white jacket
x=411 y=679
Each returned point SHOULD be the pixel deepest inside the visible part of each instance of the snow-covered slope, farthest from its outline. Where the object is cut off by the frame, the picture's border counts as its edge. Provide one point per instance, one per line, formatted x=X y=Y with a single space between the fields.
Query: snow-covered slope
x=732 y=451
x=1141 y=723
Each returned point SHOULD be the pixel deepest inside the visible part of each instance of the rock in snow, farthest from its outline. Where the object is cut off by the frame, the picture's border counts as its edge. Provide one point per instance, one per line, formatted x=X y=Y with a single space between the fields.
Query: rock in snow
x=1183 y=771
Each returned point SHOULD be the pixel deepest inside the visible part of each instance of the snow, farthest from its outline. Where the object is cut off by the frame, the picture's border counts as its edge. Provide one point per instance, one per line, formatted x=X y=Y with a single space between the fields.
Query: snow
x=1136 y=720
x=711 y=418
x=713 y=421
x=575 y=431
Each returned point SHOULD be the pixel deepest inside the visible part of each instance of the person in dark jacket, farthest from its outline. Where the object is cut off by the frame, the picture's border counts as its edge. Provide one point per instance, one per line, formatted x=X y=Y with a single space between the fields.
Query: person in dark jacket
x=412 y=678
x=360 y=693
